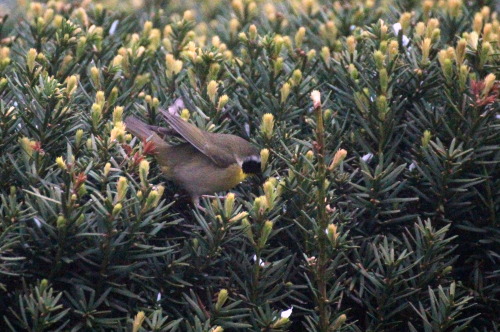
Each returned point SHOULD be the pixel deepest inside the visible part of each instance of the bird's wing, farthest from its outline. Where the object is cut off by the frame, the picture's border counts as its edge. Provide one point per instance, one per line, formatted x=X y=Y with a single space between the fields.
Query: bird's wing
x=142 y=131
x=222 y=156
x=164 y=131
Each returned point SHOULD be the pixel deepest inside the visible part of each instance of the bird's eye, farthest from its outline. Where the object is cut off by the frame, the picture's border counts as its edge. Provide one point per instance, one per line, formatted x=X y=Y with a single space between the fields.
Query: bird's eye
x=251 y=166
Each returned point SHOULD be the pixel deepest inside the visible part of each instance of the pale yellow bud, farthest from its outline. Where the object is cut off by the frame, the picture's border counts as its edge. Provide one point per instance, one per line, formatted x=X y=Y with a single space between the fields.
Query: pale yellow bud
x=316 y=98
x=121 y=189
x=48 y=15
x=252 y=32
x=221 y=299
x=238 y=8
x=138 y=320
x=270 y=11
x=393 y=49
x=71 y=84
x=460 y=51
x=296 y=77
x=154 y=39
x=96 y=114
x=338 y=323
x=252 y=9
x=58 y=20
x=267 y=125
x=299 y=37
x=337 y=159
x=351 y=44
x=100 y=99
x=167 y=44
x=167 y=30
x=477 y=24
x=472 y=40
x=94 y=75
x=420 y=29
x=453 y=7
x=159 y=190
x=185 y=114
x=270 y=191
x=234 y=25
x=148 y=26
x=285 y=91
x=310 y=155
x=144 y=172
x=405 y=20
x=311 y=55
x=426 y=138
x=117 y=114
x=332 y=234
x=140 y=51
x=117 y=209
x=328 y=32
x=427 y=7
x=223 y=100
x=229 y=204
x=30 y=59
x=489 y=81
x=212 y=91
x=81 y=15
x=36 y=8
x=379 y=58
x=264 y=235
x=27 y=145
x=61 y=163
x=188 y=15
x=173 y=66
x=426 y=47
x=78 y=136
x=107 y=168
x=152 y=199
x=325 y=55
x=118 y=132
x=487 y=32
x=432 y=24
x=238 y=217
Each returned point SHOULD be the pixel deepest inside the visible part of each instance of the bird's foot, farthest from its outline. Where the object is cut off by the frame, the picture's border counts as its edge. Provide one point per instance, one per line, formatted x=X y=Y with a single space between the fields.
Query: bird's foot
x=196 y=203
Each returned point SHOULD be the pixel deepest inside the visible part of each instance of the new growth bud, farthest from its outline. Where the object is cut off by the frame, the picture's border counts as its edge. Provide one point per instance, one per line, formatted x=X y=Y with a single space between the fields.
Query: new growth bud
x=267 y=125
x=138 y=320
x=337 y=159
x=221 y=299
x=144 y=172
x=121 y=189
x=212 y=91
x=229 y=205
x=264 y=235
x=316 y=98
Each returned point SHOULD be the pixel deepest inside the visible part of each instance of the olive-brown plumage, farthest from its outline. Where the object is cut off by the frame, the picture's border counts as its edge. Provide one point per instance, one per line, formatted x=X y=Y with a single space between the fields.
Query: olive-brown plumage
x=206 y=163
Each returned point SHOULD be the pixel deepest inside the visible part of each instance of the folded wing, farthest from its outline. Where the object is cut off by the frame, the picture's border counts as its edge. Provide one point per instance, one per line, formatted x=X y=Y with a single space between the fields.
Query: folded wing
x=203 y=141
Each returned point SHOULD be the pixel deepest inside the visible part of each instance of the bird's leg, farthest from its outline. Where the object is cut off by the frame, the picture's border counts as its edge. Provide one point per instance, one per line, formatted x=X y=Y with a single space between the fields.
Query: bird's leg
x=213 y=196
x=196 y=203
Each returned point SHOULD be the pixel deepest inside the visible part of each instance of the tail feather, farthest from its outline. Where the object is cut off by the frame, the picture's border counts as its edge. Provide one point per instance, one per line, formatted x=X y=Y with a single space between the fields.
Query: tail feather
x=141 y=130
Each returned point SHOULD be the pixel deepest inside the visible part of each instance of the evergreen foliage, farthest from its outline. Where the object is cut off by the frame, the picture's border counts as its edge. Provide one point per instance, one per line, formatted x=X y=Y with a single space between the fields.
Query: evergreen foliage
x=379 y=122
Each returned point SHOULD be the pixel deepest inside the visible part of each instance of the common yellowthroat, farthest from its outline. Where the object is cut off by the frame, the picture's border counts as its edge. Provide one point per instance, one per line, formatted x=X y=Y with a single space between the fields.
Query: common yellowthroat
x=206 y=163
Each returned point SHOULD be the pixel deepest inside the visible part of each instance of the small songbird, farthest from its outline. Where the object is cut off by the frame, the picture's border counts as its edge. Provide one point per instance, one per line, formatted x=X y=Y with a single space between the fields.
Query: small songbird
x=206 y=163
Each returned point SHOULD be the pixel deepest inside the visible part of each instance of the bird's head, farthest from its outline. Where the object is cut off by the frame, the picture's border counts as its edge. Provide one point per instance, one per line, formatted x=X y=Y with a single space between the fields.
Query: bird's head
x=251 y=165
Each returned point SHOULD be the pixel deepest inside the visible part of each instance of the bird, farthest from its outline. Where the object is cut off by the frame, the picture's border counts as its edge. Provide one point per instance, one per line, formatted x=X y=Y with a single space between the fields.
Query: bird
x=206 y=163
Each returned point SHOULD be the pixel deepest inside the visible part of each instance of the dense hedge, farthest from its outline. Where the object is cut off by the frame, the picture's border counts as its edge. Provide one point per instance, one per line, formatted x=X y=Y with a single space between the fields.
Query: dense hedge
x=381 y=209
